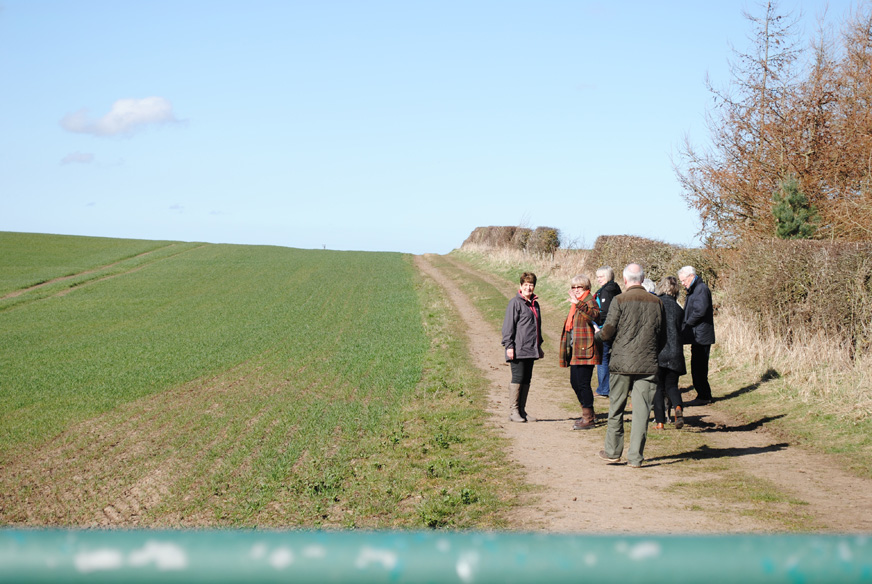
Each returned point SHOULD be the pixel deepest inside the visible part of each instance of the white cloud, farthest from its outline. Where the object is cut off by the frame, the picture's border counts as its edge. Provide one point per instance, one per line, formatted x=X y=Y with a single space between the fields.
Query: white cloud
x=125 y=117
x=78 y=158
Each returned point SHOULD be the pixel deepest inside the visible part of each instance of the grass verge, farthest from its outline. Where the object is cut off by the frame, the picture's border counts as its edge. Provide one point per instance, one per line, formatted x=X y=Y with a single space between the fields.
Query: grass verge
x=750 y=392
x=244 y=386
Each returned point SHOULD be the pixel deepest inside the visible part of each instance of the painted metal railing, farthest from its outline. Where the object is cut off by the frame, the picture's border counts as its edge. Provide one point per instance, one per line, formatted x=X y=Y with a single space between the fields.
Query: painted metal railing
x=218 y=556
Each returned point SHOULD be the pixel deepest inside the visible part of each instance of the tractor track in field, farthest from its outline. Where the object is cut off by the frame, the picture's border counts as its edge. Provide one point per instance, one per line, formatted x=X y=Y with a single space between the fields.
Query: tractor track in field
x=99 y=273
x=575 y=491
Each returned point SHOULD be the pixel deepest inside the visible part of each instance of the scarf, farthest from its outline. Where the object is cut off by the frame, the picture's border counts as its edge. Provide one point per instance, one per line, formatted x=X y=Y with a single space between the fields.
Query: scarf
x=573 y=309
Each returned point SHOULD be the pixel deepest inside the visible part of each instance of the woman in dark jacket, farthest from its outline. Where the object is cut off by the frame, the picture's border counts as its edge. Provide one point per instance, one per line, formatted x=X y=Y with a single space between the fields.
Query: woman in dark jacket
x=671 y=357
x=522 y=339
x=578 y=349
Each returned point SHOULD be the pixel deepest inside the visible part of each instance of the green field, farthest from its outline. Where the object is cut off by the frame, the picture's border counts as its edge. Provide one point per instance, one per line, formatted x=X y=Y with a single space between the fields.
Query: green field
x=194 y=384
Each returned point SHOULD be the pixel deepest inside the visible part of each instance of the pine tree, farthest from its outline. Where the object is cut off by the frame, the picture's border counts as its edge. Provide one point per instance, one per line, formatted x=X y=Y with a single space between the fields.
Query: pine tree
x=795 y=216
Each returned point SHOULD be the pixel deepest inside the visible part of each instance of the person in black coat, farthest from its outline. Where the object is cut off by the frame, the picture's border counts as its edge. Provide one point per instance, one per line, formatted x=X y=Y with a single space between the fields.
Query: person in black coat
x=699 y=331
x=608 y=289
x=671 y=357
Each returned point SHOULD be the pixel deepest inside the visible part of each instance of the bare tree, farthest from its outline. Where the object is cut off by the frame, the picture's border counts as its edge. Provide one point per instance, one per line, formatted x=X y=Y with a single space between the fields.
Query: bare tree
x=789 y=112
x=851 y=155
x=730 y=183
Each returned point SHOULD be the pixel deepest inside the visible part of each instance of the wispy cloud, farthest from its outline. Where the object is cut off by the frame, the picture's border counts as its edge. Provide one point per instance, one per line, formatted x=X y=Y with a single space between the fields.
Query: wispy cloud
x=78 y=158
x=125 y=117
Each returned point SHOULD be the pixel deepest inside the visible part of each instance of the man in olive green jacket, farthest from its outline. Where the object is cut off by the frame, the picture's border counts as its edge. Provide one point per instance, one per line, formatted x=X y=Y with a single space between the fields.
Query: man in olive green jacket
x=635 y=328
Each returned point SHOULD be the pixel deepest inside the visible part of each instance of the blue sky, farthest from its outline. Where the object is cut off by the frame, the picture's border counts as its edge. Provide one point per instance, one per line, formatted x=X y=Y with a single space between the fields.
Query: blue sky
x=367 y=125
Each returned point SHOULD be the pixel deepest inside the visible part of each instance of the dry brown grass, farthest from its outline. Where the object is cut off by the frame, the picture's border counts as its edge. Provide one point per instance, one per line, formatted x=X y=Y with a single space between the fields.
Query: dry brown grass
x=817 y=368
x=564 y=264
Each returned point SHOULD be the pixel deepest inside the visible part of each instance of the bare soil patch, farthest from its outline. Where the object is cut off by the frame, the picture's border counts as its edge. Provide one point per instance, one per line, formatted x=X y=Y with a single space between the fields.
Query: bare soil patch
x=578 y=492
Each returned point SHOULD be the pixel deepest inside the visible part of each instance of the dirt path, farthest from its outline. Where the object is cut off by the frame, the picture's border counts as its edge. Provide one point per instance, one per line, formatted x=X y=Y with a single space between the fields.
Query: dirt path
x=579 y=492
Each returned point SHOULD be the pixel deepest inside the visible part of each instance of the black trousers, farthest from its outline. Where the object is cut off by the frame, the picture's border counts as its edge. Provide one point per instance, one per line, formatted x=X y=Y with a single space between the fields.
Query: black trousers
x=667 y=386
x=522 y=370
x=579 y=379
x=699 y=367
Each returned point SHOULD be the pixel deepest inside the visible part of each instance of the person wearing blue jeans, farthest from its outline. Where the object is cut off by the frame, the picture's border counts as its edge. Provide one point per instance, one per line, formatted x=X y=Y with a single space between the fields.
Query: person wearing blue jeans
x=608 y=289
x=602 y=372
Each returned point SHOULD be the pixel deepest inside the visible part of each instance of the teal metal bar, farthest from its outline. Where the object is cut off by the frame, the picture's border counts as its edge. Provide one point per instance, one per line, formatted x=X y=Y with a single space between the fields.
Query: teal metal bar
x=465 y=557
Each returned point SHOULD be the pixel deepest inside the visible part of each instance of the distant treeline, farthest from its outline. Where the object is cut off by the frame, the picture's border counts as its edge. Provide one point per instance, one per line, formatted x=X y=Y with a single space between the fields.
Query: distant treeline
x=541 y=240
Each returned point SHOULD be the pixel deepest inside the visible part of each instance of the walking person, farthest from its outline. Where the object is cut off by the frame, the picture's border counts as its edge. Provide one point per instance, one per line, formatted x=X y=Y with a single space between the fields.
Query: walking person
x=635 y=329
x=578 y=349
x=522 y=339
x=608 y=289
x=699 y=330
x=671 y=357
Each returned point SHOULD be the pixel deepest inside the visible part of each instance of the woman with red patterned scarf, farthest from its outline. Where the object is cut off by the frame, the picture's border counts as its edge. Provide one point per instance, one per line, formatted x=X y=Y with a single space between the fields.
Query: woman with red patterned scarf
x=578 y=349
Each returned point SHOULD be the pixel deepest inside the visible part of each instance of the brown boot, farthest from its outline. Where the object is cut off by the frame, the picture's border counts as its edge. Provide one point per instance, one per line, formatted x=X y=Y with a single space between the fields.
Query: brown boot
x=587 y=421
x=514 y=397
x=522 y=403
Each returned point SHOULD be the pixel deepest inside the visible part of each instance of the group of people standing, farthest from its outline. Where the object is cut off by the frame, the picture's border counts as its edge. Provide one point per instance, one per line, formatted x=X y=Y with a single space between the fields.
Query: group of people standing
x=635 y=339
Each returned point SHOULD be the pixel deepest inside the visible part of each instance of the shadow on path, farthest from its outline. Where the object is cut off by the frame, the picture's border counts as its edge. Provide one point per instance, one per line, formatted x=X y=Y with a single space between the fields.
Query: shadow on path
x=707 y=453
x=769 y=375
x=706 y=427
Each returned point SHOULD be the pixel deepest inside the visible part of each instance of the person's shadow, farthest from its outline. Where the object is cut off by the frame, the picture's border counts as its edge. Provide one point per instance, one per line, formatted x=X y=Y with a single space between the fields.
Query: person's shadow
x=705 y=452
x=769 y=375
x=697 y=422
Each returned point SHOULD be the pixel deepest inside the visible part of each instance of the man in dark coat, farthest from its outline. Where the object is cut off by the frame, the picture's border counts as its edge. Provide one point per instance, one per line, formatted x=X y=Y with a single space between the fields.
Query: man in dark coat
x=699 y=331
x=635 y=328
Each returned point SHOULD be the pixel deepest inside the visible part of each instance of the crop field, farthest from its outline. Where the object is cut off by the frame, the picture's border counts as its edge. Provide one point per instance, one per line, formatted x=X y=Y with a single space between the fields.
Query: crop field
x=173 y=384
